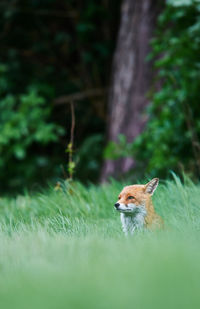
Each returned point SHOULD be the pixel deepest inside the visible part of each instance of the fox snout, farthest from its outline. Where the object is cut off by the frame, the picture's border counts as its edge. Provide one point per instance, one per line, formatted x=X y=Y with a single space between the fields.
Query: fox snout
x=117 y=205
x=121 y=207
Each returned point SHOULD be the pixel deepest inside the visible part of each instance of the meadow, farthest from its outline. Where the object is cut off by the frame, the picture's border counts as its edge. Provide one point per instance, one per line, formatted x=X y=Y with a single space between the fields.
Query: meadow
x=65 y=249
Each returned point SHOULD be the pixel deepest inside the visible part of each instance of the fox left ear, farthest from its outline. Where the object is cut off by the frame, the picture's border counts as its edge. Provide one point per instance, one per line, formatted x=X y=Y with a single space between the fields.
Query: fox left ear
x=151 y=186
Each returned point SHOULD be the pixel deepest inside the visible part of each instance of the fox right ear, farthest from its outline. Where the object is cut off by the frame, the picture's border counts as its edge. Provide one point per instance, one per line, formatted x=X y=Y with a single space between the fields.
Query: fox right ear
x=151 y=186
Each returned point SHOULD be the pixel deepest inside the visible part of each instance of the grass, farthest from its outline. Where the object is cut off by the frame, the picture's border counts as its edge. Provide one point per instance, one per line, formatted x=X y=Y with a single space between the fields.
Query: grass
x=65 y=249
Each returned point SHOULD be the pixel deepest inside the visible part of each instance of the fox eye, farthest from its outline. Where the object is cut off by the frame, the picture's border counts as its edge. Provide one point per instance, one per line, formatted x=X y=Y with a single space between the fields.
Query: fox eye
x=130 y=197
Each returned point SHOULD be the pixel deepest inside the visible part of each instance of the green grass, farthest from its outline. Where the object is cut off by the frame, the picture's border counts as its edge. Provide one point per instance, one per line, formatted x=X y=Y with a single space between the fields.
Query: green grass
x=65 y=249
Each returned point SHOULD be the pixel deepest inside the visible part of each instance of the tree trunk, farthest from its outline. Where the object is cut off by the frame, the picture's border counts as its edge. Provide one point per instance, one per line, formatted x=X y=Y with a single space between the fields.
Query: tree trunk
x=131 y=77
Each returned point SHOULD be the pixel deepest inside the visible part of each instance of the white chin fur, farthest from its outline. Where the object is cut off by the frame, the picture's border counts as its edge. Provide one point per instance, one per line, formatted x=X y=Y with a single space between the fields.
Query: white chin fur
x=134 y=219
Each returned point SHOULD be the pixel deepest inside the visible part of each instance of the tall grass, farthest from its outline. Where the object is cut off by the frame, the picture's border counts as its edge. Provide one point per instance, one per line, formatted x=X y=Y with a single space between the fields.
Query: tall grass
x=65 y=249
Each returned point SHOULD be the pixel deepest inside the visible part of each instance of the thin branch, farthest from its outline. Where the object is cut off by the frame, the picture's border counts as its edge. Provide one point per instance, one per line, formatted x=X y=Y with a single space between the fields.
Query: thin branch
x=69 y=14
x=71 y=143
x=80 y=96
x=73 y=124
x=43 y=12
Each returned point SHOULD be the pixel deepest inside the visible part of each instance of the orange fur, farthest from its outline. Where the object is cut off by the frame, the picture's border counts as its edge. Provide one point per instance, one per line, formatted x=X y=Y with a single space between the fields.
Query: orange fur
x=142 y=198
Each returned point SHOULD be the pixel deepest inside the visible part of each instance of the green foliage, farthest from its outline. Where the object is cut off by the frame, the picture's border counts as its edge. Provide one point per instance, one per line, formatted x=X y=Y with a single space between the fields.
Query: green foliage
x=116 y=150
x=50 y=49
x=89 y=157
x=24 y=122
x=172 y=134
x=66 y=249
x=182 y=3
x=171 y=137
x=71 y=164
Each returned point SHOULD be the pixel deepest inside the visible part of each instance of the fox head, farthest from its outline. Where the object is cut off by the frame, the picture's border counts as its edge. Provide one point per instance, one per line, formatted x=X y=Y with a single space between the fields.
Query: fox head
x=135 y=196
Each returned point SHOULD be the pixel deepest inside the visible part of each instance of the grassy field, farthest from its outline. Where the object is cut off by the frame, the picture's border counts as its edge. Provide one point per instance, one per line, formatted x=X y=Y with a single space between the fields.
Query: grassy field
x=65 y=249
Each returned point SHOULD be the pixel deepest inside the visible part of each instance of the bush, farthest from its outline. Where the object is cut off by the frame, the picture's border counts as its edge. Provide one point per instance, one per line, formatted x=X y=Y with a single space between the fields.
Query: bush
x=24 y=124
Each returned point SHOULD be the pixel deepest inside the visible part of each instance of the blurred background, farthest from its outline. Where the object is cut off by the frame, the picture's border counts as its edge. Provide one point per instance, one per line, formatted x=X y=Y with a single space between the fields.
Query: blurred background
x=97 y=89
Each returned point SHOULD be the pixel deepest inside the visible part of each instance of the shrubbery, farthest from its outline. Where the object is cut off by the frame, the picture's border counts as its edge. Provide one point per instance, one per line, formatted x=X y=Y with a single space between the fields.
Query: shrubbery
x=25 y=128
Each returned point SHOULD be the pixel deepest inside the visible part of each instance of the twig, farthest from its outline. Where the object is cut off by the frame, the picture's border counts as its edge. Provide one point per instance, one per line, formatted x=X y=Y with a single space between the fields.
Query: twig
x=71 y=164
x=73 y=124
x=80 y=96
x=70 y=99
x=61 y=14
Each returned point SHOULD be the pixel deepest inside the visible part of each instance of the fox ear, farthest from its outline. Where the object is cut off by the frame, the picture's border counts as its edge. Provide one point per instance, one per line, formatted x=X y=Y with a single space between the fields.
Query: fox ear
x=151 y=186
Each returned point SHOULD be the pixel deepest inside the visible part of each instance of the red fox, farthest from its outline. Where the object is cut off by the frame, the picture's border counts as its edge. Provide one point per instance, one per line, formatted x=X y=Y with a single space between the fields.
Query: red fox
x=136 y=207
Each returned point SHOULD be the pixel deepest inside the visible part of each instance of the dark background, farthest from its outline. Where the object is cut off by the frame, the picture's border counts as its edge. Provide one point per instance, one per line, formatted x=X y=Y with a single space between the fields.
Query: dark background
x=132 y=73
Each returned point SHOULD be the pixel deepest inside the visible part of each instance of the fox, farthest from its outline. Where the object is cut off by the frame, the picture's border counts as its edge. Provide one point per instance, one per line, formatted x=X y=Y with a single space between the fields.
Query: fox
x=136 y=207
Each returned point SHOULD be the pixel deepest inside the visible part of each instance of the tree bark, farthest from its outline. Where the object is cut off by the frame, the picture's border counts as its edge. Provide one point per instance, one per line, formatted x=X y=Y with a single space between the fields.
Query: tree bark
x=131 y=77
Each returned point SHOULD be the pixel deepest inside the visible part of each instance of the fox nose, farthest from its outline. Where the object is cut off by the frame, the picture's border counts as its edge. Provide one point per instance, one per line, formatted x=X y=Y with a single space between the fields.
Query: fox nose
x=117 y=205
